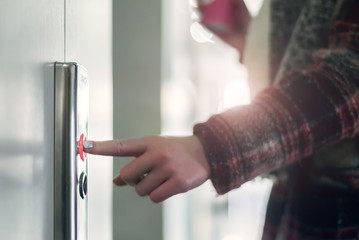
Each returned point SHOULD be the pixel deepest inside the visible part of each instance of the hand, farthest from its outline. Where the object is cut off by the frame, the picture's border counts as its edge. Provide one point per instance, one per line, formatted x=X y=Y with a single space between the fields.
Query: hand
x=163 y=166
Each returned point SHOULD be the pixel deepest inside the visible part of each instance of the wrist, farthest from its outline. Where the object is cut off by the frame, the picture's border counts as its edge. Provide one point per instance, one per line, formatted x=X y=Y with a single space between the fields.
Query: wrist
x=199 y=153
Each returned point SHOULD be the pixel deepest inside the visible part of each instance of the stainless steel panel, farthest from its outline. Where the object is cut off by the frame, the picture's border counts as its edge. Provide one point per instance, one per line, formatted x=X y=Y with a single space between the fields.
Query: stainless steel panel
x=71 y=128
x=32 y=38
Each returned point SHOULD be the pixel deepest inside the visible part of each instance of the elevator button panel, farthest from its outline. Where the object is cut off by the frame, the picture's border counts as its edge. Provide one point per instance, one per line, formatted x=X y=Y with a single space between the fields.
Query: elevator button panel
x=70 y=161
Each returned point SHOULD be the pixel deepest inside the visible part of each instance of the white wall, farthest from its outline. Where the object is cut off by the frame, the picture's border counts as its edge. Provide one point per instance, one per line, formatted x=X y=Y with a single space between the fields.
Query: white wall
x=137 y=79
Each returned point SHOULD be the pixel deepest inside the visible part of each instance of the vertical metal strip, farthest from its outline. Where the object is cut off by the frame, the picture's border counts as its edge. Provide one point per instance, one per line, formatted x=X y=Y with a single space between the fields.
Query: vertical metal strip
x=71 y=121
x=65 y=152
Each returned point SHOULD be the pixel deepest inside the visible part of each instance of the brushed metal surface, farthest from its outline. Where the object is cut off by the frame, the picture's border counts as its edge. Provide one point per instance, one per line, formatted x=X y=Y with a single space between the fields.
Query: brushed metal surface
x=31 y=40
x=71 y=121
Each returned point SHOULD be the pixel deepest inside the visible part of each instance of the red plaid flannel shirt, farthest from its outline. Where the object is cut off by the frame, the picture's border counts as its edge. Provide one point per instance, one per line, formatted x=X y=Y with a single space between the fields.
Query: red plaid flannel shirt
x=308 y=110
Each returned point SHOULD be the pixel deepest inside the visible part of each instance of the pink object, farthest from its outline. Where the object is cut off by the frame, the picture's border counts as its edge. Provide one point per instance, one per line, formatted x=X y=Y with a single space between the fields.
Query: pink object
x=219 y=15
x=228 y=19
x=81 y=147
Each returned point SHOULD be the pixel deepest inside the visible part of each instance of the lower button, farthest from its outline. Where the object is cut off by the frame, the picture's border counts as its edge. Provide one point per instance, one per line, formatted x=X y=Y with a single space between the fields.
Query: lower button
x=83 y=185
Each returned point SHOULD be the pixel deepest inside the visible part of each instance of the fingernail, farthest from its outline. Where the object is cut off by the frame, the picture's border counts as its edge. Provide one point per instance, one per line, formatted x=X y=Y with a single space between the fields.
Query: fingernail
x=115 y=181
x=118 y=181
x=88 y=144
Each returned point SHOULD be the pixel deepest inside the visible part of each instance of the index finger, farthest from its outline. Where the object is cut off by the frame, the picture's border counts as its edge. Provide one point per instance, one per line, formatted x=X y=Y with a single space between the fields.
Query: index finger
x=123 y=147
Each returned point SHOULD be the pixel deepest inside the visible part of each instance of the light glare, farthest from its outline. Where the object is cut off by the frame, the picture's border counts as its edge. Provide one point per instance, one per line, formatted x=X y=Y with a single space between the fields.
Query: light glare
x=200 y=34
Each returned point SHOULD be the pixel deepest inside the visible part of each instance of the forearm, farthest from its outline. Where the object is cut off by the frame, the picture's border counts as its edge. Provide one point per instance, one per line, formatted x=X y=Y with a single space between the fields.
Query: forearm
x=309 y=110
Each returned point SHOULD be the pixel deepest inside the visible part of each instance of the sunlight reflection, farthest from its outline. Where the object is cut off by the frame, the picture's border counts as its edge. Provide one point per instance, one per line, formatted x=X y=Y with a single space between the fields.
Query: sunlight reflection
x=254 y=6
x=200 y=34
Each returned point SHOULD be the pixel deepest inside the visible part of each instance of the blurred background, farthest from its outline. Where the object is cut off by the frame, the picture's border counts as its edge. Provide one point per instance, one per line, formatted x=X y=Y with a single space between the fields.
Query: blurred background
x=169 y=73
x=153 y=69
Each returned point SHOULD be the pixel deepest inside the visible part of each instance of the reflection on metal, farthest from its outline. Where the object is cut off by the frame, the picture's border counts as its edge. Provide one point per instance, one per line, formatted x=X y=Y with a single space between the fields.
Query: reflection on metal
x=71 y=121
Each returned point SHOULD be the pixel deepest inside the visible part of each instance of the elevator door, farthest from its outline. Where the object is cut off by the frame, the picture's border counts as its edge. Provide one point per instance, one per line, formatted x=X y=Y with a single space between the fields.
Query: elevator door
x=34 y=35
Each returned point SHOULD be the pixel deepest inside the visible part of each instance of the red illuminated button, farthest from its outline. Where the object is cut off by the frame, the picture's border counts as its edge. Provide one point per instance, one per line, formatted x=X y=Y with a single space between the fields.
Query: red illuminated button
x=81 y=147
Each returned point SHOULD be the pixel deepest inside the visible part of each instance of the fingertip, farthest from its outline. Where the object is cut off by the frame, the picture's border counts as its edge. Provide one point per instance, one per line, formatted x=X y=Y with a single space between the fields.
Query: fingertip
x=89 y=146
x=156 y=198
x=118 y=181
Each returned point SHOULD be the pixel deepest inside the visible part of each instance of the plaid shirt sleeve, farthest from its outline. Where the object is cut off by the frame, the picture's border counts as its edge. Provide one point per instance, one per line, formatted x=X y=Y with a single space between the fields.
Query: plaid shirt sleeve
x=308 y=110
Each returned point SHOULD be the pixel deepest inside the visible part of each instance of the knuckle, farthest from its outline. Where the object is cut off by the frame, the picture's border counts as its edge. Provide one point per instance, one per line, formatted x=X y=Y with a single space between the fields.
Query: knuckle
x=155 y=198
x=120 y=145
x=164 y=154
x=169 y=170
x=140 y=191
x=182 y=184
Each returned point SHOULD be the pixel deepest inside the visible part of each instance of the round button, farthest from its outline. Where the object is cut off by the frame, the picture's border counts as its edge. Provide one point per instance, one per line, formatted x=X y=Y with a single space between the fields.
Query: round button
x=83 y=185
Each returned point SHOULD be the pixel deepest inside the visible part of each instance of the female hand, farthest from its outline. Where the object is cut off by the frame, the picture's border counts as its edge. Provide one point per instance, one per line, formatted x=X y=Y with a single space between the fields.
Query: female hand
x=163 y=166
